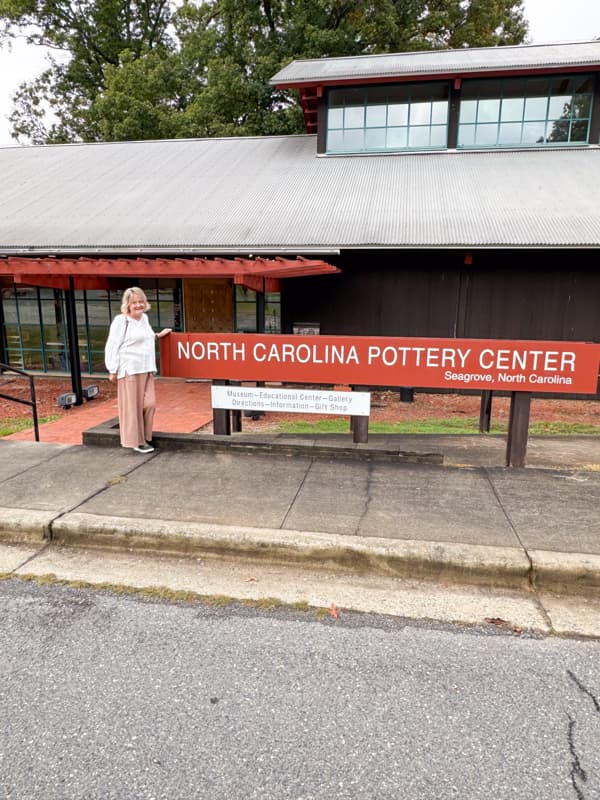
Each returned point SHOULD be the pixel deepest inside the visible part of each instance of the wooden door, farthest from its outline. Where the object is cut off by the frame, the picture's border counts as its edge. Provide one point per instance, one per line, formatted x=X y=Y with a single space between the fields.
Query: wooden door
x=208 y=305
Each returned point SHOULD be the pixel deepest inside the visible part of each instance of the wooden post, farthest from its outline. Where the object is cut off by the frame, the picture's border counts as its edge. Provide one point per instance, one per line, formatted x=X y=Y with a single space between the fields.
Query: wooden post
x=359 y=425
x=360 y=429
x=485 y=412
x=221 y=416
x=518 y=429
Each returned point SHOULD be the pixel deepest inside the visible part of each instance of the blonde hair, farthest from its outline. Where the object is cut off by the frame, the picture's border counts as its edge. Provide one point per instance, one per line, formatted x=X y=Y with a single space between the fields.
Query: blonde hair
x=127 y=295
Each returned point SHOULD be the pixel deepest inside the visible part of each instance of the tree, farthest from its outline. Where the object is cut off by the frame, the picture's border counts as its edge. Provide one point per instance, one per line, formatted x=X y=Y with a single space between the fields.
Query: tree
x=130 y=75
x=91 y=35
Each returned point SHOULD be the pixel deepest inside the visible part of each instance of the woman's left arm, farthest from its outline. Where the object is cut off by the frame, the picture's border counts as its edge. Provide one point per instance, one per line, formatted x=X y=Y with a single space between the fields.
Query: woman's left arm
x=164 y=332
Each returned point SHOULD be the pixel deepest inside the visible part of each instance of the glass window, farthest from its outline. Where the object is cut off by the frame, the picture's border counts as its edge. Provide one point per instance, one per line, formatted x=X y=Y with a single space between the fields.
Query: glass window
x=35 y=323
x=375 y=139
x=376 y=116
x=335 y=117
x=354 y=140
x=488 y=111
x=486 y=135
x=439 y=136
x=335 y=141
x=533 y=133
x=582 y=105
x=354 y=117
x=536 y=108
x=509 y=133
x=512 y=109
x=397 y=138
x=398 y=114
x=522 y=111
x=418 y=137
x=394 y=117
x=420 y=114
x=439 y=113
x=468 y=111
x=559 y=106
x=245 y=311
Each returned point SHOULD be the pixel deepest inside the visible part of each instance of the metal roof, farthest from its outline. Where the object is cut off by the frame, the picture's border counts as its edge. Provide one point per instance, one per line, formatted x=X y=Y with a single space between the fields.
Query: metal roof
x=458 y=62
x=274 y=195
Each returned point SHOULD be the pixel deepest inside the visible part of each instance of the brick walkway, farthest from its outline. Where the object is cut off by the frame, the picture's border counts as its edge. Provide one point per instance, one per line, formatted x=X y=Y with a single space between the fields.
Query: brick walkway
x=181 y=407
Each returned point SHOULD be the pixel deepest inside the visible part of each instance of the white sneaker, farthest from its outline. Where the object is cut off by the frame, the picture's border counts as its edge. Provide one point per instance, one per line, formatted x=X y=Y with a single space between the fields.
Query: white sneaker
x=144 y=448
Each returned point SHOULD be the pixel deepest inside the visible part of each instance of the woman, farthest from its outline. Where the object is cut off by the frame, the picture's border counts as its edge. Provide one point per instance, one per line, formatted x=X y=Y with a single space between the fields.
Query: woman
x=130 y=359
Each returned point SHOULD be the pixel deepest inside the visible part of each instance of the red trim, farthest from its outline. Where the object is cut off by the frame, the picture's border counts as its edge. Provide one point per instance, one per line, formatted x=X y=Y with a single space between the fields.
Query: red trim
x=58 y=282
x=48 y=271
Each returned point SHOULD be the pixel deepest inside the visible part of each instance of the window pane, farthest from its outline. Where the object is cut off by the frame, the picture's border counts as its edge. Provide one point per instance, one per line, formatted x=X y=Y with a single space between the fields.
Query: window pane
x=559 y=106
x=533 y=132
x=439 y=113
x=512 y=109
x=397 y=138
x=579 y=130
x=468 y=111
x=582 y=105
x=420 y=113
x=558 y=131
x=510 y=133
x=488 y=111
x=354 y=140
x=376 y=116
x=486 y=135
x=418 y=137
x=375 y=138
x=354 y=117
x=438 y=136
x=335 y=140
x=535 y=108
x=335 y=117
x=398 y=114
x=466 y=135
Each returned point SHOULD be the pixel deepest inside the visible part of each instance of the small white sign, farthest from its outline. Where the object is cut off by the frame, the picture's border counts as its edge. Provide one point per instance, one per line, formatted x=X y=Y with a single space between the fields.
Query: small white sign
x=301 y=401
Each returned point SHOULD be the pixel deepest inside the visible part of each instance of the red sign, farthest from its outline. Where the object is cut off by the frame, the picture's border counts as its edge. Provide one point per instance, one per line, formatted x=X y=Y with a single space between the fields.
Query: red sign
x=526 y=366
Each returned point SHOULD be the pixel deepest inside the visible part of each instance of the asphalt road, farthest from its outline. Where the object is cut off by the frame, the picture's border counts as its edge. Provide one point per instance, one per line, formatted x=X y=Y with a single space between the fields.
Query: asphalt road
x=106 y=696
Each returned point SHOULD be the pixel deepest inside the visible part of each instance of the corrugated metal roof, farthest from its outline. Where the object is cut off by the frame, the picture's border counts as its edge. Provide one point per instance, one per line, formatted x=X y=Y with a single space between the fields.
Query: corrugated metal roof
x=435 y=62
x=274 y=195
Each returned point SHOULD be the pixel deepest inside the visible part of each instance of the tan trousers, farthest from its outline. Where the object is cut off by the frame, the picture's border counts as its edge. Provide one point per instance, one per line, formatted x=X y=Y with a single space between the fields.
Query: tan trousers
x=137 y=404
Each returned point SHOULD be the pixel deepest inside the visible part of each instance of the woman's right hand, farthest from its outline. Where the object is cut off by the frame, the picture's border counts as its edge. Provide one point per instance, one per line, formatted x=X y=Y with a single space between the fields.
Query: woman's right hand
x=112 y=377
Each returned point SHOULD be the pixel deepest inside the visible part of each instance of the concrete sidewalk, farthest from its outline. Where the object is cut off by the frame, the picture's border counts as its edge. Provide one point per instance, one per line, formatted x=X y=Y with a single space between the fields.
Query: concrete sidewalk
x=321 y=502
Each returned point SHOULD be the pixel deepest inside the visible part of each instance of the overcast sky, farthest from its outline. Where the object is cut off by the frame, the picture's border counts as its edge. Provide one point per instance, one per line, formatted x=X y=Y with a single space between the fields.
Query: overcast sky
x=549 y=21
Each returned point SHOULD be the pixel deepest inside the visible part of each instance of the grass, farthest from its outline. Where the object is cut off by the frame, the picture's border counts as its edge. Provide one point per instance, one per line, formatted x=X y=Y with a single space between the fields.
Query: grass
x=463 y=425
x=436 y=426
x=16 y=424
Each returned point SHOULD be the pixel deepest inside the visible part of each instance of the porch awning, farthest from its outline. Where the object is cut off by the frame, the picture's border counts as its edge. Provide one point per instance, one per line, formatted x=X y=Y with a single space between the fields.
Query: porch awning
x=260 y=274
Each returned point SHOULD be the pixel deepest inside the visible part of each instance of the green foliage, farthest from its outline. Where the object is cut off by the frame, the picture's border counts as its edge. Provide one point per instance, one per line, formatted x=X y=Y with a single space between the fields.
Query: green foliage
x=147 y=69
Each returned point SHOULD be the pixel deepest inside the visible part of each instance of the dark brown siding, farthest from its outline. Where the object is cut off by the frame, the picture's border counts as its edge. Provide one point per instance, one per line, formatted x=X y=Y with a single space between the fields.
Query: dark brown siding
x=501 y=295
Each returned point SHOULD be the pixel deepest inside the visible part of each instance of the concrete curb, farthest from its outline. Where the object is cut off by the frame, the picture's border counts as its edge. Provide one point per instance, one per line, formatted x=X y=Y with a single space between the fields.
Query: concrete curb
x=19 y=525
x=501 y=567
x=107 y=435
x=575 y=574
x=566 y=573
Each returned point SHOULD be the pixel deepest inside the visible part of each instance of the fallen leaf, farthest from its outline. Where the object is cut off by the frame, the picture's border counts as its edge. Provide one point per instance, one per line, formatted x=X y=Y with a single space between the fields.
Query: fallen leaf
x=251 y=580
x=496 y=621
x=334 y=611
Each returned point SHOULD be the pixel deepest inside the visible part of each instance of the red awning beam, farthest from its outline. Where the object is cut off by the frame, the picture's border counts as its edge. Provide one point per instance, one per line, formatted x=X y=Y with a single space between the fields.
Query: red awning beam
x=162 y=267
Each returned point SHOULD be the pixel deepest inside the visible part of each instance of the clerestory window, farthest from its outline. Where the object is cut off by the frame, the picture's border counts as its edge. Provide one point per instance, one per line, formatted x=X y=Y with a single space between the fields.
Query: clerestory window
x=525 y=112
x=387 y=118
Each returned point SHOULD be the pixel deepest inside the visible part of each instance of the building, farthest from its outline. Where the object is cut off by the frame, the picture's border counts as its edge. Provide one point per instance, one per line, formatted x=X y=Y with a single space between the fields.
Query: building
x=447 y=193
